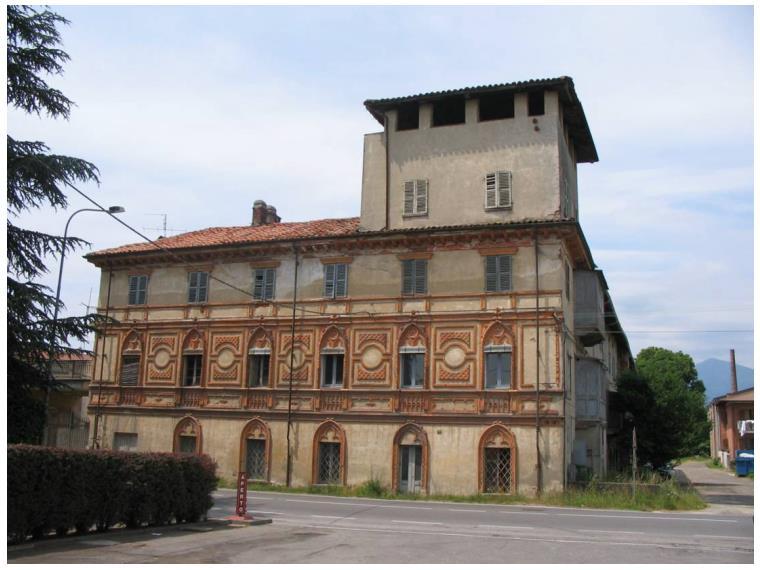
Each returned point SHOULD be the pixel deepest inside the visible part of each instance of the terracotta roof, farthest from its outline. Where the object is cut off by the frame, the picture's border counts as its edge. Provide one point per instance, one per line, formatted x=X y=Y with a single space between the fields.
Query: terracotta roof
x=574 y=116
x=746 y=395
x=240 y=235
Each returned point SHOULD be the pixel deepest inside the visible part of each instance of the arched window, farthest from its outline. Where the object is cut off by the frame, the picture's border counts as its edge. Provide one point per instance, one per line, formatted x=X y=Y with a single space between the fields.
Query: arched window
x=410 y=460
x=259 y=359
x=255 y=450
x=497 y=458
x=413 y=363
x=131 y=360
x=329 y=455
x=497 y=358
x=192 y=359
x=332 y=351
x=187 y=436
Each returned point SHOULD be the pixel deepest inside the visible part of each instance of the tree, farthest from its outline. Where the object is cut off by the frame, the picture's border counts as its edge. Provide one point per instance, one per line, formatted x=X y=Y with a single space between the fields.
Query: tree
x=36 y=179
x=665 y=400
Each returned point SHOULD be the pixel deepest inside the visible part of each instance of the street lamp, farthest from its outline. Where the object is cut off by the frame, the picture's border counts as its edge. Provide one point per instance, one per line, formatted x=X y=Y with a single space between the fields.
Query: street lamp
x=54 y=326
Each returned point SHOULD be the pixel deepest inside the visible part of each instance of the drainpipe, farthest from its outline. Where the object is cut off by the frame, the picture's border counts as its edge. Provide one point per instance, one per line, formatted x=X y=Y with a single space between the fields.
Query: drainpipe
x=387 y=174
x=290 y=382
x=95 y=424
x=538 y=369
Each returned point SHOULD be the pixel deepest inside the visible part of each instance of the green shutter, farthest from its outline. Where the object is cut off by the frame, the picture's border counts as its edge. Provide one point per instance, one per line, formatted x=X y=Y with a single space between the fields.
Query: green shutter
x=505 y=273
x=492 y=273
x=341 y=274
x=269 y=283
x=420 y=276
x=408 y=281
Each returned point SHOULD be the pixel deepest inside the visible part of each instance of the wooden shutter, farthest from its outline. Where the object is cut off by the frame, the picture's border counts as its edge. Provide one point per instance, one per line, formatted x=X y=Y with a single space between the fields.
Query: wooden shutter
x=192 y=296
x=504 y=188
x=269 y=283
x=130 y=369
x=492 y=273
x=330 y=281
x=408 y=281
x=341 y=281
x=258 y=284
x=421 y=197
x=491 y=190
x=409 y=197
x=505 y=273
x=202 y=295
x=133 y=290
x=420 y=276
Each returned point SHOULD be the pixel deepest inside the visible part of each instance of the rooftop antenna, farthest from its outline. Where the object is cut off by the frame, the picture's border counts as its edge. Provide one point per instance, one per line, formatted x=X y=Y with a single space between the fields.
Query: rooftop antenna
x=163 y=229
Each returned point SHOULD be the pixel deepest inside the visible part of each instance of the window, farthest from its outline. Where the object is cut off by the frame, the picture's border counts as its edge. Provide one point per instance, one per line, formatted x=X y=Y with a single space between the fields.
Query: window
x=138 y=285
x=535 y=103
x=448 y=111
x=496 y=106
x=498 y=366
x=197 y=291
x=498 y=189
x=332 y=370
x=415 y=197
x=329 y=463
x=498 y=273
x=415 y=277
x=258 y=370
x=336 y=279
x=130 y=370
x=255 y=459
x=187 y=443
x=125 y=441
x=412 y=368
x=410 y=469
x=497 y=469
x=263 y=283
x=192 y=369
x=408 y=117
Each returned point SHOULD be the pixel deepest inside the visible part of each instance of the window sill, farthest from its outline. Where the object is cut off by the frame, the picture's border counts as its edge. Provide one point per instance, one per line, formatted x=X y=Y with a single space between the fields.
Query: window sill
x=425 y=215
x=498 y=208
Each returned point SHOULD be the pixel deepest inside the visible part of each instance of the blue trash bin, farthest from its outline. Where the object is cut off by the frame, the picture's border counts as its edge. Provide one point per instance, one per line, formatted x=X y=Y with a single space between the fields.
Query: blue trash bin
x=745 y=462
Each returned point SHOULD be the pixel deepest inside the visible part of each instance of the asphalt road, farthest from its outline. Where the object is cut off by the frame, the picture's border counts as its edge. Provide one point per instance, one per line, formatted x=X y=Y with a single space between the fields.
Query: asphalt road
x=319 y=529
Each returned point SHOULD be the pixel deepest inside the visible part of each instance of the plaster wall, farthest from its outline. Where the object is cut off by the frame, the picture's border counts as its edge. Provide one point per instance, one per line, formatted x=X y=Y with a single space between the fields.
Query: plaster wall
x=369 y=449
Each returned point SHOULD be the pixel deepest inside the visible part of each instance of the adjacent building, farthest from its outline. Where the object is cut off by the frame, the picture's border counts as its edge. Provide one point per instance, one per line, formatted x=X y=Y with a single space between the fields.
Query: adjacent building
x=456 y=337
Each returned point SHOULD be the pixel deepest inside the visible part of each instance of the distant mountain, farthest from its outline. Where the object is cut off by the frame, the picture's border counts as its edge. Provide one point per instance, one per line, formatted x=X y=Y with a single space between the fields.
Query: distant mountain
x=716 y=374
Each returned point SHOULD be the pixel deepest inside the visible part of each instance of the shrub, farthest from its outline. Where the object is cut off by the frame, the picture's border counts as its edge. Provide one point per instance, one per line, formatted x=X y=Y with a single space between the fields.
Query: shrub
x=59 y=489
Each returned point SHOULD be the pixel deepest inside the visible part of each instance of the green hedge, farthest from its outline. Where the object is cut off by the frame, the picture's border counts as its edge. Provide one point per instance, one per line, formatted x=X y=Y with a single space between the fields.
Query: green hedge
x=59 y=490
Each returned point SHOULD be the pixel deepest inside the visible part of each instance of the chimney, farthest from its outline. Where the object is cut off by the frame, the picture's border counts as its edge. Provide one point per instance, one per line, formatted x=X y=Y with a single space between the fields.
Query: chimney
x=259 y=213
x=734 y=387
x=271 y=216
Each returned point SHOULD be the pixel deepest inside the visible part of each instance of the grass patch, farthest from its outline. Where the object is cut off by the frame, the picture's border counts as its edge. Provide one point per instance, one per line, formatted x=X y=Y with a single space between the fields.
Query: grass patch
x=714 y=463
x=661 y=495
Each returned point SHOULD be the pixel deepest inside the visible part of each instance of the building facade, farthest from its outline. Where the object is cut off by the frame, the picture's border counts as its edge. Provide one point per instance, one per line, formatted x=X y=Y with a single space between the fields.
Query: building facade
x=455 y=338
x=732 y=424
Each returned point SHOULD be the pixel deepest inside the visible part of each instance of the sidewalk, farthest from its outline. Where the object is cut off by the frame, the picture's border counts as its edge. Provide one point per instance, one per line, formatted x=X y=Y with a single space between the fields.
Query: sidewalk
x=720 y=488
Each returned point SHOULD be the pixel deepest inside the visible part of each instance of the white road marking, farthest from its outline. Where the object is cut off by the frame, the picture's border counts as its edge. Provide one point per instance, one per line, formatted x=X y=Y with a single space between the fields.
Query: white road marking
x=266 y=513
x=332 y=517
x=467 y=511
x=645 y=518
x=522 y=538
x=611 y=531
x=358 y=504
x=506 y=526
x=416 y=522
x=724 y=536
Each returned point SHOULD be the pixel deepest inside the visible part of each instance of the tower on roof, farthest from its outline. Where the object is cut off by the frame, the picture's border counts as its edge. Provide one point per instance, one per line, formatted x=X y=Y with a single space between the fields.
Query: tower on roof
x=488 y=154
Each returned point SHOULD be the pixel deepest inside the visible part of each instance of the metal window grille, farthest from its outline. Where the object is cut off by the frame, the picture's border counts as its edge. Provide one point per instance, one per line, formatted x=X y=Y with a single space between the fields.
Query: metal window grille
x=187 y=444
x=255 y=459
x=329 y=463
x=497 y=469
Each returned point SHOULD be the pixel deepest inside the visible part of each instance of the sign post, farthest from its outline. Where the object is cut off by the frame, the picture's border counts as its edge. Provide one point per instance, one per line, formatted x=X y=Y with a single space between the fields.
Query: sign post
x=241 y=506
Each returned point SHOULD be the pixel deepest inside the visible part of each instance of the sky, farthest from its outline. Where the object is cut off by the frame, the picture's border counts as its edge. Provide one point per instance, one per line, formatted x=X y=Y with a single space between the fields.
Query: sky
x=195 y=112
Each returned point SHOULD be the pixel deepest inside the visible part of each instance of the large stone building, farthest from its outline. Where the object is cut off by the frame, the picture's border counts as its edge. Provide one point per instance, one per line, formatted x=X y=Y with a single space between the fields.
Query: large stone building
x=454 y=338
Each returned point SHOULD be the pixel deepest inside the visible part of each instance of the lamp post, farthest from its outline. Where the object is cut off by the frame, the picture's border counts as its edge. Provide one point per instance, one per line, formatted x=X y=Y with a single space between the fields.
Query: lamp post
x=54 y=325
